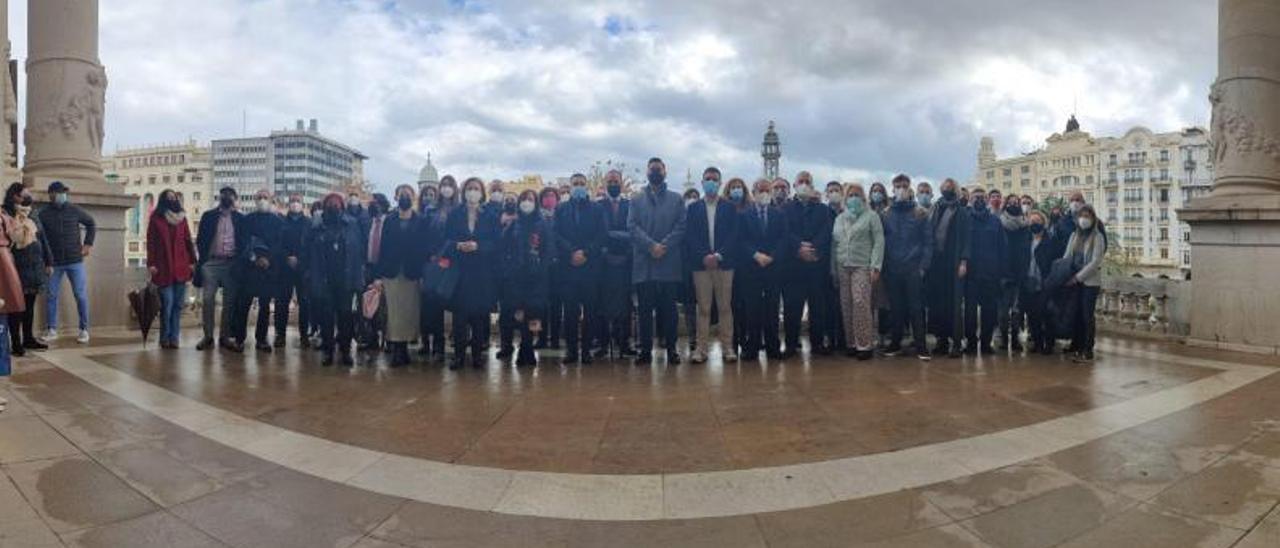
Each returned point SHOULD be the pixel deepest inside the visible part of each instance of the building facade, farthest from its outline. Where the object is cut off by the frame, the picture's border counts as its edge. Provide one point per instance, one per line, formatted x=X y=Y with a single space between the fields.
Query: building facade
x=144 y=172
x=287 y=162
x=1136 y=182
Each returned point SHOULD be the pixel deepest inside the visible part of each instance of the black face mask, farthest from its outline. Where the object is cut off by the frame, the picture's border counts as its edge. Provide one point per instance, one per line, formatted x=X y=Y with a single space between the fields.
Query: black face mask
x=227 y=202
x=614 y=191
x=948 y=195
x=1037 y=228
x=1014 y=210
x=27 y=201
x=332 y=214
x=405 y=203
x=655 y=177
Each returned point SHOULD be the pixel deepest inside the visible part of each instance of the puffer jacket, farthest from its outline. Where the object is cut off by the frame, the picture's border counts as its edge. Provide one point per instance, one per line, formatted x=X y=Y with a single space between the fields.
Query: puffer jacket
x=908 y=241
x=62 y=223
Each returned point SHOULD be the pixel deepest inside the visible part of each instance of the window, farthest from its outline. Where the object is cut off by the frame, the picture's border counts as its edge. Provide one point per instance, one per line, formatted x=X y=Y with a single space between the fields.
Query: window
x=1025 y=183
x=1164 y=253
x=1111 y=197
x=1186 y=258
x=1112 y=160
x=1164 y=234
x=1088 y=180
x=1026 y=169
x=135 y=247
x=165 y=179
x=1164 y=156
x=1164 y=195
x=1008 y=172
x=991 y=174
x=182 y=178
x=151 y=180
x=1164 y=174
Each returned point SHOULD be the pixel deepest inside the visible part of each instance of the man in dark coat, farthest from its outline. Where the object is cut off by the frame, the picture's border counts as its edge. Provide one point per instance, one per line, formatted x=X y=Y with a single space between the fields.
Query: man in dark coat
x=614 y=323
x=292 y=246
x=908 y=255
x=1017 y=232
x=63 y=221
x=988 y=267
x=711 y=246
x=807 y=268
x=261 y=270
x=657 y=226
x=944 y=282
x=580 y=236
x=764 y=238
x=220 y=240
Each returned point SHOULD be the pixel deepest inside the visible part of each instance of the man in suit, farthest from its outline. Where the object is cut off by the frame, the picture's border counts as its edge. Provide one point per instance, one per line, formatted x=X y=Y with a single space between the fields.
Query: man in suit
x=763 y=235
x=657 y=226
x=580 y=237
x=260 y=271
x=807 y=268
x=221 y=240
x=614 y=322
x=711 y=242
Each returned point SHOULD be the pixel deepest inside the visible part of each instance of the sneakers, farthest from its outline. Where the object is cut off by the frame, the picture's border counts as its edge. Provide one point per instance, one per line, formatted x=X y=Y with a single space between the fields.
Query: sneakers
x=204 y=344
x=924 y=355
x=1083 y=357
x=83 y=337
x=51 y=335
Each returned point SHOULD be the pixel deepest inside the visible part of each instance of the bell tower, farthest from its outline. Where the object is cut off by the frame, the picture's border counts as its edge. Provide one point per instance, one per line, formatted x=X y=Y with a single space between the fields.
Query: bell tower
x=771 y=152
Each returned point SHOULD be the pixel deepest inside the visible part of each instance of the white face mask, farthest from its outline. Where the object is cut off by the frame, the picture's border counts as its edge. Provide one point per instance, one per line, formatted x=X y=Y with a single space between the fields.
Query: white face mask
x=764 y=198
x=689 y=201
x=833 y=198
x=902 y=194
x=496 y=196
x=1084 y=223
x=803 y=191
x=474 y=196
x=264 y=205
x=446 y=192
x=1075 y=207
x=527 y=207
x=295 y=207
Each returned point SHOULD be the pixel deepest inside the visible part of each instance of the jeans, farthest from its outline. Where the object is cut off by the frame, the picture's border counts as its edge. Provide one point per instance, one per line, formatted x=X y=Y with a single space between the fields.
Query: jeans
x=172 y=298
x=657 y=302
x=78 y=281
x=218 y=273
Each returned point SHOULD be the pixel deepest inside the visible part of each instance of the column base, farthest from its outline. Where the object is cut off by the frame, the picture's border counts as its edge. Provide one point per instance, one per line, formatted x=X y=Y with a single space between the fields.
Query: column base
x=1235 y=258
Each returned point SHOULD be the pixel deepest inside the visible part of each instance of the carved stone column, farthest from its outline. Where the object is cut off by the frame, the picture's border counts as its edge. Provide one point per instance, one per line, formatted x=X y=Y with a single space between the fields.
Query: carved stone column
x=66 y=109
x=1235 y=231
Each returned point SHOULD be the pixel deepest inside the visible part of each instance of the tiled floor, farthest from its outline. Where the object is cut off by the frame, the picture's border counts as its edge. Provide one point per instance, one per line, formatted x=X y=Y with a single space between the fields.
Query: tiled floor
x=80 y=466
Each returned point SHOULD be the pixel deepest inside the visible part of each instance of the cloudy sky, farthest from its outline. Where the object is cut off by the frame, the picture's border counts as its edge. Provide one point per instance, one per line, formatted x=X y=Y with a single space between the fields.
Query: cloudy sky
x=859 y=88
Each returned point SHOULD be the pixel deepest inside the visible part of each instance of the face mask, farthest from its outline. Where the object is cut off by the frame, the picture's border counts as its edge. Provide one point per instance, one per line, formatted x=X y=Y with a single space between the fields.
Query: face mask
x=527 y=207
x=496 y=196
x=447 y=192
x=353 y=203
x=833 y=197
x=1037 y=228
x=764 y=198
x=428 y=199
x=949 y=195
x=925 y=200
x=979 y=204
x=1014 y=209
x=1084 y=223
x=227 y=202
x=854 y=204
x=549 y=203
x=780 y=195
x=803 y=190
x=710 y=187
x=901 y=194
x=61 y=198
x=332 y=213
x=736 y=194
x=474 y=196
x=877 y=197
x=1075 y=207
x=405 y=203
x=264 y=206
x=1026 y=206
x=27 y=201
x=655 y=177
x=295 y=208
x=578 y=193
x=690 y=201
x=614 y=190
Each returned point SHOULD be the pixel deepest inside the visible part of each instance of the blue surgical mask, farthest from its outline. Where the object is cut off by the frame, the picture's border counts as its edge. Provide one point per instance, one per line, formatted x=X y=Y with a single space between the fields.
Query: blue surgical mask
x=877 y=197
x=925 y=200
x=854 y=204
x=614 y=191
x=736 y=194
x=578 y=193
x=61 y=198
x=710 y=187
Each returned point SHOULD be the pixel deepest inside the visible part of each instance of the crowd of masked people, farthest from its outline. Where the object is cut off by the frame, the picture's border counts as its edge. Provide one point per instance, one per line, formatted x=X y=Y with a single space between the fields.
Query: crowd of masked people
x=748 y=266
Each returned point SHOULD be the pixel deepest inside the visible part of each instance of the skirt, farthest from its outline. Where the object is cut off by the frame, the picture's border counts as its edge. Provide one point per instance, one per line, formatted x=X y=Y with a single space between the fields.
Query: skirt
x=403 y=304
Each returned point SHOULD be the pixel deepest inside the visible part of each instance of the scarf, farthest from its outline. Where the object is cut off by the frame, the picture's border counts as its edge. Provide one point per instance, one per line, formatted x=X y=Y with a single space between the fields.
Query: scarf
x=175 y=217
x=945 y=210
x=23 y=232
x=375 y=240
x=1011 y=223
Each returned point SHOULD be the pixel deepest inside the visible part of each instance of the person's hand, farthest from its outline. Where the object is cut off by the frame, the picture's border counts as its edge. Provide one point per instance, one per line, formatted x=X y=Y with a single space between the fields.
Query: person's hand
x=1073 y=281
x=518 y=316
x=535 y=326
x=762 y=259
x=658 y=251
x=875 y=275
x=579 y=258
x=292 y=261
x=963 y=270
x=468 y=247
x=48 y=271
x=377 y=284
x=262 y=263
x=85 y=250
x=507 y=218
x=711 y=262
x=152 y=270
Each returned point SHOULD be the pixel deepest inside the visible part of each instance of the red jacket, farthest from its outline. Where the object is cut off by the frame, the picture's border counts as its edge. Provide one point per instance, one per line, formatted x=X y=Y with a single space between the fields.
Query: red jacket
x=169 y=251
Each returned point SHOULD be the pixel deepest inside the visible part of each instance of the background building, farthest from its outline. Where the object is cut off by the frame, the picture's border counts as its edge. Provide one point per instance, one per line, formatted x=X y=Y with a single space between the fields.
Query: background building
x=299 y=161
x=146 y=171
x=771 y=153
x=1136 y=182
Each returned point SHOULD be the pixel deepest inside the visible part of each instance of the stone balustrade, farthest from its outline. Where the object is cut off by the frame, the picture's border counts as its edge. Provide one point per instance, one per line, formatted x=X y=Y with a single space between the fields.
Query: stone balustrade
x=1145 y=307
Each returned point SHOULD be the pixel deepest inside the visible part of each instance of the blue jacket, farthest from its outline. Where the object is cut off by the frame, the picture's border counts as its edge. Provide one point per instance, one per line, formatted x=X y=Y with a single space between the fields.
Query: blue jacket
x=988 y=247
x=757 y=237
x=477 y=276
x=908 y=239
x=657 y=217
x=697 y=240
x=580 y=225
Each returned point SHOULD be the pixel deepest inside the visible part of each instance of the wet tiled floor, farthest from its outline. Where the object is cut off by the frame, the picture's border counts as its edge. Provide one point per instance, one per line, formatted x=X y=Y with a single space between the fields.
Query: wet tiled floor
x=82 y=467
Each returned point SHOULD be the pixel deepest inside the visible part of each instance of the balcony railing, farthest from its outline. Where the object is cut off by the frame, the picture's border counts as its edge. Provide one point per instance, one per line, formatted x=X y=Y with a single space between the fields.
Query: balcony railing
x=1149 y=307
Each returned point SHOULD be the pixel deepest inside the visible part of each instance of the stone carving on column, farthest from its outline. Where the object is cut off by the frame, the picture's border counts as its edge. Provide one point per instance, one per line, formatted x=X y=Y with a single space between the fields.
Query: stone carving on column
x=1234 y=133
x=81 y=112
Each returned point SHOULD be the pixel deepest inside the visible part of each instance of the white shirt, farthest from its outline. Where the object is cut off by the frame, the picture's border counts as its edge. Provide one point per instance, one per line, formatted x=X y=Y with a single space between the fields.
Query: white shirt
x=711 y=223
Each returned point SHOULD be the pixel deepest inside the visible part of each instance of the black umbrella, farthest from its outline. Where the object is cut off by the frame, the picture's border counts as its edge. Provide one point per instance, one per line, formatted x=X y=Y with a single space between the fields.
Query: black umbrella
x=146 y=306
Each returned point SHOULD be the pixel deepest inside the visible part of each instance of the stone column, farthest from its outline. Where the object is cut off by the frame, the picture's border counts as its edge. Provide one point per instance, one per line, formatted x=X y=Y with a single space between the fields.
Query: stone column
x=8 y=101
x=1235 y=231
x=66 y=96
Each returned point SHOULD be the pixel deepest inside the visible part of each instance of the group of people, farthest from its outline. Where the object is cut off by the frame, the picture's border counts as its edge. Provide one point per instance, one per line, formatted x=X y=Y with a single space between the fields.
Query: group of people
x=576 y=267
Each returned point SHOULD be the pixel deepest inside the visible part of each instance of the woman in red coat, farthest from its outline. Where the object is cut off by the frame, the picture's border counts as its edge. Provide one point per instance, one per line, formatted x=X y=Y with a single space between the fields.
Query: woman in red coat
x=170 y=260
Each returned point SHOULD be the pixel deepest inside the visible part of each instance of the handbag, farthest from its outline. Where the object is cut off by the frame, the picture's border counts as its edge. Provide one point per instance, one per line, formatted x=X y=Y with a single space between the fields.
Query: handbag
x=440 y=275
x=370 y=301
